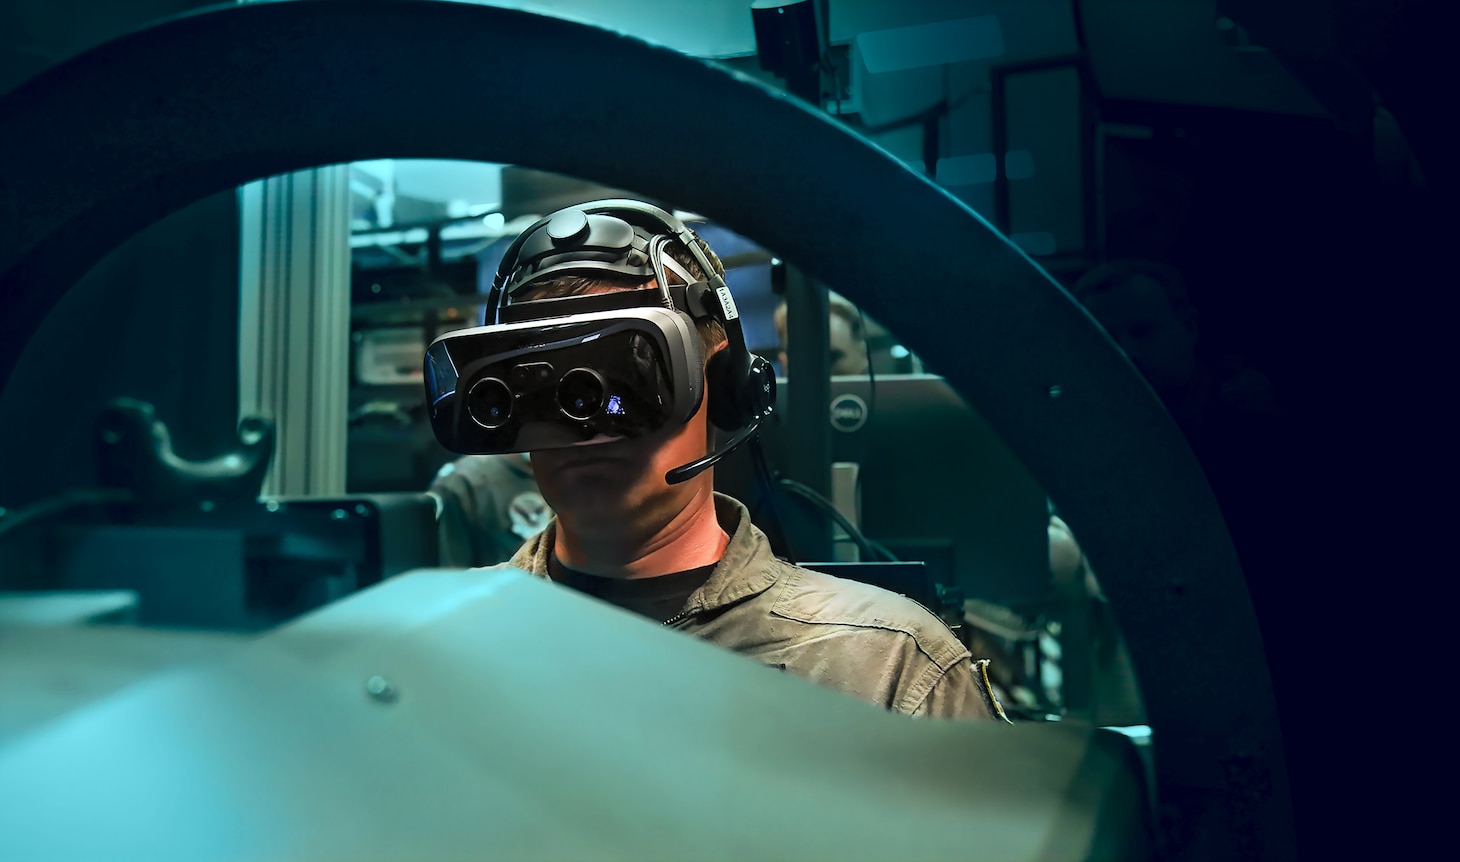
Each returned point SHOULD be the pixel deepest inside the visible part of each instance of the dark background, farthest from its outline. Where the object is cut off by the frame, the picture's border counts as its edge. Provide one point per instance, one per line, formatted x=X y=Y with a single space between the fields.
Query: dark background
x=1333 y=276
x=156 y=320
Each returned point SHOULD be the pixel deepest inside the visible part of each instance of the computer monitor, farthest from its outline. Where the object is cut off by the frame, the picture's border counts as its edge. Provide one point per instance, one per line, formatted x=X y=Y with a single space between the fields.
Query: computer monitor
x=936 y=484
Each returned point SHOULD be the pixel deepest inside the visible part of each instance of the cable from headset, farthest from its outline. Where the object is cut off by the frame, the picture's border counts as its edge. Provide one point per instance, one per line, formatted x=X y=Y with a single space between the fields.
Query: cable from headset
x=768 y=494
x=869 y=547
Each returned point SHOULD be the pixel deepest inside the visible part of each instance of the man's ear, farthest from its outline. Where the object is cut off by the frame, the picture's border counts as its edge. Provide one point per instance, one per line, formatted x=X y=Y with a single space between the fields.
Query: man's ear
x=715 y=351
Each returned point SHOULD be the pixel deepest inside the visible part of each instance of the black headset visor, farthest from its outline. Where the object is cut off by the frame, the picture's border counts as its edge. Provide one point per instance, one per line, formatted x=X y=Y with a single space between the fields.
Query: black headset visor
x=549 y=373
x=568 y=380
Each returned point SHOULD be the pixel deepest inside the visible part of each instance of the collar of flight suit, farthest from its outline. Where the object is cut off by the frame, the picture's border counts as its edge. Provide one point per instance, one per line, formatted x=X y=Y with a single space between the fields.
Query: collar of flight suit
x=748 y=567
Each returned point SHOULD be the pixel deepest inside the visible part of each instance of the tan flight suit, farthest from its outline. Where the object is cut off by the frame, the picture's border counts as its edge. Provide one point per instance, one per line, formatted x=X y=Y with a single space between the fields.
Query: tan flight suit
x=857 y=639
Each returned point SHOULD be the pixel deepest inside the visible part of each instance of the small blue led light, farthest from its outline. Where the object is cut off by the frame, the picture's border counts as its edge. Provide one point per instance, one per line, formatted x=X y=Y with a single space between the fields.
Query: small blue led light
x=615 y=406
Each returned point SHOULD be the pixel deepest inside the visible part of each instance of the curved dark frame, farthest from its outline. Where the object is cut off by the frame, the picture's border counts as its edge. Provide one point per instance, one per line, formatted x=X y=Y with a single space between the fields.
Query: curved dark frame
x=103 y=145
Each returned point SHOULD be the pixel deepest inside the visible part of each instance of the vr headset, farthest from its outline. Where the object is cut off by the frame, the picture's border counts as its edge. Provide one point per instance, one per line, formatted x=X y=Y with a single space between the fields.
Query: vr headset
x=602 y=366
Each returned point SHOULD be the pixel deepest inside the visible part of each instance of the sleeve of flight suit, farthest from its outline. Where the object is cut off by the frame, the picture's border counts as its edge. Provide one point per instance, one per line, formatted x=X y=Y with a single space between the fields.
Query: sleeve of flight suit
x=963 y=693
x=458 y=525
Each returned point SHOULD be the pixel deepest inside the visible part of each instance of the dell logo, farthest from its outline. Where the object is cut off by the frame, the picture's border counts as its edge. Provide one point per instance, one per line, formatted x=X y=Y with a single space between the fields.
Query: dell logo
x=848 y=412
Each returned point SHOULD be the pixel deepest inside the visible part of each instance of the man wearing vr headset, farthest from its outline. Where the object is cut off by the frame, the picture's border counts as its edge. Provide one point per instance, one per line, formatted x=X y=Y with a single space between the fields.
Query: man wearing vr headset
x=611 y=347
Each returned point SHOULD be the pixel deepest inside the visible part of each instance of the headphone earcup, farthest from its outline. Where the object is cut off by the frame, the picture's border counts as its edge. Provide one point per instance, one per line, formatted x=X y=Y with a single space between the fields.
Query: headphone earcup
x=724 y=409
x=739 y=393
x=758 y=393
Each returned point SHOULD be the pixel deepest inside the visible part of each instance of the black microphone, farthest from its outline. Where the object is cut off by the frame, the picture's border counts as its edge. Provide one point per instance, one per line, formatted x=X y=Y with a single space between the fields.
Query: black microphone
x=694 y=468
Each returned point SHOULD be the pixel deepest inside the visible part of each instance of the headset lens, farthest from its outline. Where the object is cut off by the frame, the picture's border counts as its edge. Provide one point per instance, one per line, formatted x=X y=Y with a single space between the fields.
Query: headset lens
x=581 y=393
x=629 y=373
x=490 y=403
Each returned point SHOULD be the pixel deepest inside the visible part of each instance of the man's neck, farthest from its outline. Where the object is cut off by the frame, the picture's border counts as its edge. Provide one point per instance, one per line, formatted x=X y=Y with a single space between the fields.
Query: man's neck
x=691 y=538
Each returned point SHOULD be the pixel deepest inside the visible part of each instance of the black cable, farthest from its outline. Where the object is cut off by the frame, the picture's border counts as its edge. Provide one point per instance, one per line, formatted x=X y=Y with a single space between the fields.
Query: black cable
x=869 y=548
x=768 y=495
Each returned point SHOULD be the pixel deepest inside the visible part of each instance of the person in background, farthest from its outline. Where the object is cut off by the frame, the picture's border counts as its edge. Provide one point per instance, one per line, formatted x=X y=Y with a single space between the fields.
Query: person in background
x=1228 y=411
x=1230 y=415
x=847 y=338
x=1145 y=307
x=1116 y=693
x=488 y=506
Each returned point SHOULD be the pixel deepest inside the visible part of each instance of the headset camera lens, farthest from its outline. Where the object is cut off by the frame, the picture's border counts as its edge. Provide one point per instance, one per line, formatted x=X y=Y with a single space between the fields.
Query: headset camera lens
x=581 y=393
x=489 y=403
